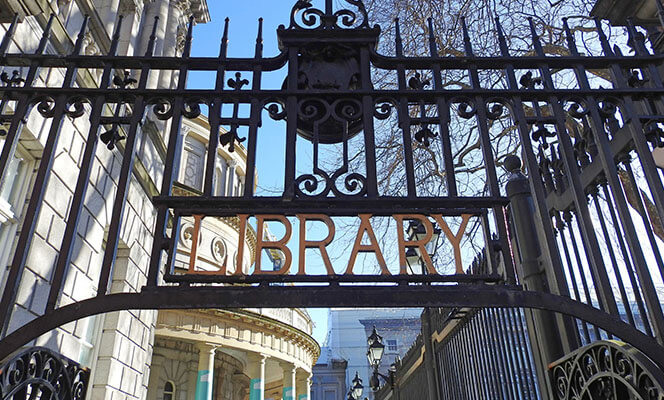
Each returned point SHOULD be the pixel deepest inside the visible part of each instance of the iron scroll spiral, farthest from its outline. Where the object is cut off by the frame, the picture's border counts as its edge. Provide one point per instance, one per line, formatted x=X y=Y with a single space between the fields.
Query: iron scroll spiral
x=39 y=372
x=606 y=370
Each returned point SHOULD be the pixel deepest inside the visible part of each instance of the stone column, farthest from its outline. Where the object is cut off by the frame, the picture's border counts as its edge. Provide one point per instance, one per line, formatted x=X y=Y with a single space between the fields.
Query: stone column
x=288 y=392
x=231 y=178
x=256 y=372
x=204 y=380
x=174 y=37
x=304 y=386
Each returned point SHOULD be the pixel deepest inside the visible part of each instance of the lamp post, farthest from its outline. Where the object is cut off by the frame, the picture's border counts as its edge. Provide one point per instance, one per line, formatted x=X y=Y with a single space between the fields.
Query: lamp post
x=374 y=355
x=355 y=392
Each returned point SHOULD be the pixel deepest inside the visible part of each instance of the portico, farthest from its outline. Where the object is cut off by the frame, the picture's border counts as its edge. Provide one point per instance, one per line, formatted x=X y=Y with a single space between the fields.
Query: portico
x=233 y=355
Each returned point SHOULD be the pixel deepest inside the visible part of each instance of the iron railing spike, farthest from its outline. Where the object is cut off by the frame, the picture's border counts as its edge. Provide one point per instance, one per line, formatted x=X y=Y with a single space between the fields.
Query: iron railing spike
x=466 y=38
x=187 y=43
x=115 y=40
x=153 y=38
x=397 y=38
x=433 y=48
x=78 y=45
x=535 y=37
x=604 y=41
x=223 y=48
x=569 y=36
x=502 y=41
x=7 y=38
x=259 y=39
x=635 y=39
x=46 y=35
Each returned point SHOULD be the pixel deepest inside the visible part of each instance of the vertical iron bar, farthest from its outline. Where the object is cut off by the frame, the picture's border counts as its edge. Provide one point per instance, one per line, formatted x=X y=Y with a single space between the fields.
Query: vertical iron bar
x=603 y=284
x=404 y=116
x=443 y=115
x=172 y=164
x=577 y=255
x=611 y=174
x=255 y=116
x=491 y=348
x=612 y=257
x=628 y=265
x=124 y=179
x=39 y=189
x=8 y=36
x=76 y=209
x=487 y=154
x=368 y=124
x=291 y=125
x=23 y=106
x=215 y=115
x=559 y=284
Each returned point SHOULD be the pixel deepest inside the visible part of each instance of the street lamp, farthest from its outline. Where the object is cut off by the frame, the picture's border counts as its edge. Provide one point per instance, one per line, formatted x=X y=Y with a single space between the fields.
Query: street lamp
x=417 y=231
x=374 y=354
x=356 y=390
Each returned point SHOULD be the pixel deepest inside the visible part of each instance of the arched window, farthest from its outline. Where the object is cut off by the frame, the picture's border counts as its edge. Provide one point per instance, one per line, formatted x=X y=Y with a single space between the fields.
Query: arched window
x=169 y=390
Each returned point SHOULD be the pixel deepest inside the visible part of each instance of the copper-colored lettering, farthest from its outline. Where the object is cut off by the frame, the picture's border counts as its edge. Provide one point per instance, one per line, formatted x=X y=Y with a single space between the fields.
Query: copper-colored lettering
x=279 y=244
x=455 y=240
x=194 y=243
x=404 y=244
x=240 y=244
x=319 y=244
x=358 y=247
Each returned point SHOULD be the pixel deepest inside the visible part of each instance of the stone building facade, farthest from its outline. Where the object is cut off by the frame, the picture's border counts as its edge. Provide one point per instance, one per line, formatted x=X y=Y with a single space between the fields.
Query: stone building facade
x=134 y=354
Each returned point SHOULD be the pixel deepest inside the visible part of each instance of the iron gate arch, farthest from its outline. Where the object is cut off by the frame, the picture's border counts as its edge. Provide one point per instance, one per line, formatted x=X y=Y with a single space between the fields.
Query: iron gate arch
x=328 y=97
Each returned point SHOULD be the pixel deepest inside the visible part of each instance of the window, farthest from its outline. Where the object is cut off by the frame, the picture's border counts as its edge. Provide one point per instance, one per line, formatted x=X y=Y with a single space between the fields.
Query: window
x=169 y=391
x=193 y=159
x=391 y=345
x=13 y=192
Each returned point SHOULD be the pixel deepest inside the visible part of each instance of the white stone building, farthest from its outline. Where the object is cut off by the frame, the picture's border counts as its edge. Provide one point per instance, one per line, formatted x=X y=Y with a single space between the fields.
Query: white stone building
x=137 y=354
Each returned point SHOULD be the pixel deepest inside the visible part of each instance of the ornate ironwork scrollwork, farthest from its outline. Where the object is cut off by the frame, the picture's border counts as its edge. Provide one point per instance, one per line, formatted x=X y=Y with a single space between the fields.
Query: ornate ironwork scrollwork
x=41 y=373
x=606 y=370
x=314 y=18
x=75 y=106
x=45 y=106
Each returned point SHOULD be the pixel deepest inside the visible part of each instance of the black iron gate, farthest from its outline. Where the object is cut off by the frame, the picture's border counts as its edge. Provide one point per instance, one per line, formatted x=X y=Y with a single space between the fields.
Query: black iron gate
x=567 y=240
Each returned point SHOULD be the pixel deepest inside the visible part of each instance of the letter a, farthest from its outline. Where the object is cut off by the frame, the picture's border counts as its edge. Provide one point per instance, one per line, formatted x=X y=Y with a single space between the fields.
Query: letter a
x=358 y=247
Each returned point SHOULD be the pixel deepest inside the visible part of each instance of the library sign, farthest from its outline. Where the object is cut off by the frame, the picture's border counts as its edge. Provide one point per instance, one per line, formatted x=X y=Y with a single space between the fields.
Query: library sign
x=360 y=245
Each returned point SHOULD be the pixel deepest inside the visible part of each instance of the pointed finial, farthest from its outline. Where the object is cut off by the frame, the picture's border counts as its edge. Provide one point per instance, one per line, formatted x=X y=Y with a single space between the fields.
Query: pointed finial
x=223 y=49
x=571 y=42
x=46 y=35
x=536 y=39
x=606 y=47
x=397 y=38
x=502 y=42
x=78 y=45
x=9 y=35
x=432 y=39
x=153 y=37
x=466 y=38
x=187 y=42
x=259 y=39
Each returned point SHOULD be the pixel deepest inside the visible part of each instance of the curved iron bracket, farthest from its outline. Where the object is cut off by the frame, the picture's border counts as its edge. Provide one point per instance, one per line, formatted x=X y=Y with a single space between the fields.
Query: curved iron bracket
x=476 y=295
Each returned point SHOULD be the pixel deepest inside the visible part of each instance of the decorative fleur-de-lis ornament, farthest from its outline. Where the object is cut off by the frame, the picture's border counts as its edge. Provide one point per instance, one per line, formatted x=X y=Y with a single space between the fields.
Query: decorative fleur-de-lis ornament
x=14 y=81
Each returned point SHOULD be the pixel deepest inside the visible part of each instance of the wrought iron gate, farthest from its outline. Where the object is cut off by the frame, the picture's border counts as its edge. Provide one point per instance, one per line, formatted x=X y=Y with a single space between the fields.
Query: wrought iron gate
x=587 y=151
